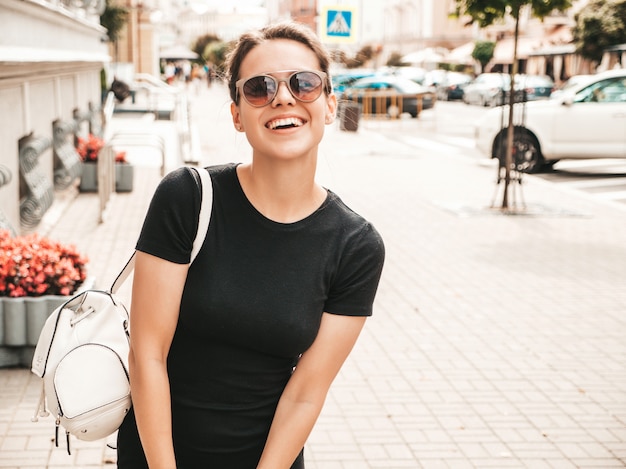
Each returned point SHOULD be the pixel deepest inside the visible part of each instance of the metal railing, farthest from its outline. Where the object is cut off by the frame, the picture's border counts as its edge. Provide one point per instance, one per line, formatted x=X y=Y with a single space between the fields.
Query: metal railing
x=106 y=159
x=389 y=105
x=141 y=139
x=160 y=96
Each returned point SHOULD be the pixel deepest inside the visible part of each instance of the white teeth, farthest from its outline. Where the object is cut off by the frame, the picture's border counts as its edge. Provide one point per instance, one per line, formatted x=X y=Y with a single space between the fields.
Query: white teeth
x=287 y=122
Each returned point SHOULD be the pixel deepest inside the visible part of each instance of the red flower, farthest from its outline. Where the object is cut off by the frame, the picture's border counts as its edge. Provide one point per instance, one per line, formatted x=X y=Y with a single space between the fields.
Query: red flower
x=120 y=157
x=89 y=148
x=32 y=265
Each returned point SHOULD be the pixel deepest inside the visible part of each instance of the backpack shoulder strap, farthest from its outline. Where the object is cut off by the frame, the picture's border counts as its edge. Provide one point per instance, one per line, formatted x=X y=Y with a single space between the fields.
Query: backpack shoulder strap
x=205 y=211
x=203 y=226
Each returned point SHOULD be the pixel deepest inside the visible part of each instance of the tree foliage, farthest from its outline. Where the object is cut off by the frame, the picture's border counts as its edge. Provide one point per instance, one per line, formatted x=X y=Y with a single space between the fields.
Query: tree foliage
x=114 y=19
x=600 y=24
x=363 y=55
x=395 y=60
x=483 y=52
x=215 y=52
x=201 y=43
x=487 y=12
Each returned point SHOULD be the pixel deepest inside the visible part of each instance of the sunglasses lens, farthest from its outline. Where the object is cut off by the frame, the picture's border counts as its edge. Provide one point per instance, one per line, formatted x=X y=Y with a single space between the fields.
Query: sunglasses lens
x=259 y=90
x=306 y=86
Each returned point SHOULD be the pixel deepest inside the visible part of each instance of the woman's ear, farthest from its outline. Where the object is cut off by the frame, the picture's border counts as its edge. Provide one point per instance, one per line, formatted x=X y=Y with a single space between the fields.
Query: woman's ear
x=234 y=111
x=331 y=108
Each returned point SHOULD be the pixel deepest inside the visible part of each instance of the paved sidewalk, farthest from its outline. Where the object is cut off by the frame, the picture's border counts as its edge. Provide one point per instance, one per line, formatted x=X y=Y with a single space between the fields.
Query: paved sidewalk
x=497 y=341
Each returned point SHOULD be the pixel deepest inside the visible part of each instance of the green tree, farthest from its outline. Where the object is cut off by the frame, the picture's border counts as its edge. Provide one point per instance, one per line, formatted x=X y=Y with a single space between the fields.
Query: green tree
x=114 y=19
x=487 y=12
x=599 y=24
x=363 y=55
x=483 y=53
x=215 y=52
x=200 y=45
x=395 y=60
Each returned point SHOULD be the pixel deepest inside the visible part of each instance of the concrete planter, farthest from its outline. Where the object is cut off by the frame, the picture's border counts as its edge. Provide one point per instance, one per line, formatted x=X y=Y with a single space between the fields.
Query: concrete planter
x=21 y=321
x=89 y=177
x=124 y=174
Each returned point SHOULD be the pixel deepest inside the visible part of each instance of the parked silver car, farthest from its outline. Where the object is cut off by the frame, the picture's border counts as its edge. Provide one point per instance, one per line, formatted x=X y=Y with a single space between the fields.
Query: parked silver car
x=487 y=89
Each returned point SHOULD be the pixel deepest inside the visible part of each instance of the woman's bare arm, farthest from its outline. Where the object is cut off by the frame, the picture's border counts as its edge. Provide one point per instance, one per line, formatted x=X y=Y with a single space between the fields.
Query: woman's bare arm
x=157 y=291
x=304 y=396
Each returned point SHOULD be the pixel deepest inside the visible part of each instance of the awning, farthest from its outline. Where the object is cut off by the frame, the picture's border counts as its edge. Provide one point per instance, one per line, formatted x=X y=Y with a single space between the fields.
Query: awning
x=429 y=55
x=564 y=49
x=461 y=54
x=178 y=53
x=503 y=53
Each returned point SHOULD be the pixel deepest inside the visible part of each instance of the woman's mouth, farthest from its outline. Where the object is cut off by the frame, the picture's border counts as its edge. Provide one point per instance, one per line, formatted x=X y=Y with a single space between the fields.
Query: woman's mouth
x=284 y=123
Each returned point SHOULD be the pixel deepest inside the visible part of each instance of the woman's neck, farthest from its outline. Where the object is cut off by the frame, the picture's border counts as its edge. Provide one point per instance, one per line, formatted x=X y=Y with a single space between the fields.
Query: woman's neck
x=283 y=191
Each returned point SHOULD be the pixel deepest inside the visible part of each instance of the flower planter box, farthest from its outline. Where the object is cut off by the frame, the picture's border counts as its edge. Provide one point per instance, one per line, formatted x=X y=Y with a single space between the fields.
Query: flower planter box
x=21 y=321
x=124 y=174
x=89 y=177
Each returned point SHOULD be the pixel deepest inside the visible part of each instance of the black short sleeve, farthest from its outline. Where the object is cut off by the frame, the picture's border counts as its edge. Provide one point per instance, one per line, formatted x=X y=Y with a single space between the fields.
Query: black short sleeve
x=172 y=219
x=353 y=290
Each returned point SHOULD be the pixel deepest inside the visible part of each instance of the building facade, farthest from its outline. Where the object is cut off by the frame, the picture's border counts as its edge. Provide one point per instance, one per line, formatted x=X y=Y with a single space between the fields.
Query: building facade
x=51 y=57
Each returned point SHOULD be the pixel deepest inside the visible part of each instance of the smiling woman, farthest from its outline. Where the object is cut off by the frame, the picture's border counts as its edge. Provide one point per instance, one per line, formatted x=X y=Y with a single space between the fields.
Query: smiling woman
x=278 y=294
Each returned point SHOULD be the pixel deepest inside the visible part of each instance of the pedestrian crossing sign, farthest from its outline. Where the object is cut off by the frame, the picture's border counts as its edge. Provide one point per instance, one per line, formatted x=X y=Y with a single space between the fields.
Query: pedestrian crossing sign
x=338 y=24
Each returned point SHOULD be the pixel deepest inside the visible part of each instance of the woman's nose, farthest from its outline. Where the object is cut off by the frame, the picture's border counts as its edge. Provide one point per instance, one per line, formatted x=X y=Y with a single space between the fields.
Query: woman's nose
x=283 y=94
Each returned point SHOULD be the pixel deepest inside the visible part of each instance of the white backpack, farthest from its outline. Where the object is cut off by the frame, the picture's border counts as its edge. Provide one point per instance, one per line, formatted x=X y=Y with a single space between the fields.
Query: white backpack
x=82 y=353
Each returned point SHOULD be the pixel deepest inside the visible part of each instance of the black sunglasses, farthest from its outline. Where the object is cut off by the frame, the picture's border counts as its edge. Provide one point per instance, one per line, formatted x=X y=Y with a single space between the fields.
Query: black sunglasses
x=260 y=90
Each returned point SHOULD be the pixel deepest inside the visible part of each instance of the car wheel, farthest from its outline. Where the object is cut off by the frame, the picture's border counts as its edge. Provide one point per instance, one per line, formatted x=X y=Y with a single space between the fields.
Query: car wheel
x=526 y=151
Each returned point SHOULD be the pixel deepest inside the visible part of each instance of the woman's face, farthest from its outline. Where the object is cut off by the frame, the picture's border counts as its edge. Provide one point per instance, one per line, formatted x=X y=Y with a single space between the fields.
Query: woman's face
x=286 y=128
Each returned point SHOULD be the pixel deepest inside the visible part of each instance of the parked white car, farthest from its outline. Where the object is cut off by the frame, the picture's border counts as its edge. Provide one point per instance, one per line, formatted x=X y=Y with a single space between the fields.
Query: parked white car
x=586 y=121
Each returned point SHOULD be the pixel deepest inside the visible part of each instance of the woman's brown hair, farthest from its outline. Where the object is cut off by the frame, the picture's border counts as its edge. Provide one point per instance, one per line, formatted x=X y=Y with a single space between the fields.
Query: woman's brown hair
x=287 y=30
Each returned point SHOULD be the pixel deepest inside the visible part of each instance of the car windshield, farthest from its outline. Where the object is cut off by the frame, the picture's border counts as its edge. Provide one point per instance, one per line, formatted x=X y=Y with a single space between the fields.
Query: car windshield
x=576 y=80
x=612 y=90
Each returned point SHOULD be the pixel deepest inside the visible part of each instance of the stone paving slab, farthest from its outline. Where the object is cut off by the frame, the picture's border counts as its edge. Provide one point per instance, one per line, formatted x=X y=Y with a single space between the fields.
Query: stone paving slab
x=497 y=341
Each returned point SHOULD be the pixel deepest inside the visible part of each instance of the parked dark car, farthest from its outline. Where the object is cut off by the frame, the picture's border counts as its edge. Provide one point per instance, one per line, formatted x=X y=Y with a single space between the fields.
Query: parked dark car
x=452 y=85
x=389 y=95
x=533 y=87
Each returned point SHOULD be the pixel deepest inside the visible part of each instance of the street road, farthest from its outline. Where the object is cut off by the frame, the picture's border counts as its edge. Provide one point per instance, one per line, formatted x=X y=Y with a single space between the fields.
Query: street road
x=449 y=129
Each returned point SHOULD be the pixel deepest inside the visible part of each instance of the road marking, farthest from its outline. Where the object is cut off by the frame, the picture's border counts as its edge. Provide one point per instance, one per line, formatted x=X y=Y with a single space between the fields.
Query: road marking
x=596 y=182
x=613 y=195
x=431 y=145
x=591 y=163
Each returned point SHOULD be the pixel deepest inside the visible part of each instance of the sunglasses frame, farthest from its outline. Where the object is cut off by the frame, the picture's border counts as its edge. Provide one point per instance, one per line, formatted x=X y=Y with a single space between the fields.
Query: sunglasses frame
x=239 y=85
